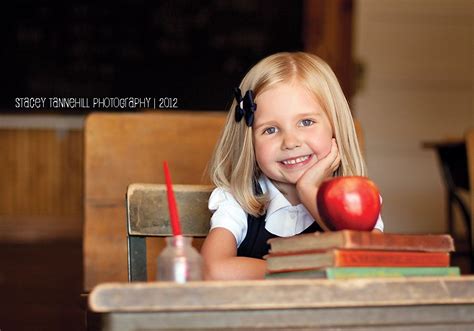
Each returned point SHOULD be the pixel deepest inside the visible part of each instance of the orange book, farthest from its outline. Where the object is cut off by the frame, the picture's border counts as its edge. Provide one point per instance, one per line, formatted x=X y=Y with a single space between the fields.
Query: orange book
x=349 y=239
x=354 y=258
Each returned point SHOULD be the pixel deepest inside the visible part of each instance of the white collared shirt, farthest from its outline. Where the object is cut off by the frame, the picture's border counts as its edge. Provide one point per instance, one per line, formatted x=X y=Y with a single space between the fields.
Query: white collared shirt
x=282 y=219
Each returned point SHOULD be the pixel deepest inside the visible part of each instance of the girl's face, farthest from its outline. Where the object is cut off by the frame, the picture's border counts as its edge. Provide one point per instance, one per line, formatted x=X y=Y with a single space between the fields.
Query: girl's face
x=291 y=133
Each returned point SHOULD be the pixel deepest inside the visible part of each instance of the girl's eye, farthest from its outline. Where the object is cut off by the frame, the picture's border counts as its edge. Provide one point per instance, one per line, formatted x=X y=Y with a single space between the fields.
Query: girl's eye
x=270 y=130
x=307 y=122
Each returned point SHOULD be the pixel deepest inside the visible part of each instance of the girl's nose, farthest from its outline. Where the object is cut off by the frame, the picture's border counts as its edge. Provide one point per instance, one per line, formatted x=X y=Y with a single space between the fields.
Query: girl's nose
x=291 y=140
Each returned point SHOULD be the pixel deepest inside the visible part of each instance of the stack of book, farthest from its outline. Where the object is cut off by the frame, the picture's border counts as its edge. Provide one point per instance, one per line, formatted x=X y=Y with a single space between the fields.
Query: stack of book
x=356 y=254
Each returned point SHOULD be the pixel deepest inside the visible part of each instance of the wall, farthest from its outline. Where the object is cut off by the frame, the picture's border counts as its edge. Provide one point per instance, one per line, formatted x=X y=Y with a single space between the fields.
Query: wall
x=417 y=86
x=41 y=178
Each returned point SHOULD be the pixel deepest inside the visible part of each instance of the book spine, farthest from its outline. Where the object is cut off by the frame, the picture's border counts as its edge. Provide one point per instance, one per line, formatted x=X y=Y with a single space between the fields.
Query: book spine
x=362 y=240
x=362 y=272
x=361 y=258
x=366 y=272
x=368 y=240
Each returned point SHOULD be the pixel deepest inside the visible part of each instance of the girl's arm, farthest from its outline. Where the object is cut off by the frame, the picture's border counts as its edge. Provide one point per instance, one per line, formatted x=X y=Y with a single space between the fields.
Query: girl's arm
x=221 y=262
x=308 y=185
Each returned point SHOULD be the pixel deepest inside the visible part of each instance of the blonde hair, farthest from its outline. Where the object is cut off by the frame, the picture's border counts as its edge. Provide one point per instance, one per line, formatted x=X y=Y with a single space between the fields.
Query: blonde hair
x=233 y=165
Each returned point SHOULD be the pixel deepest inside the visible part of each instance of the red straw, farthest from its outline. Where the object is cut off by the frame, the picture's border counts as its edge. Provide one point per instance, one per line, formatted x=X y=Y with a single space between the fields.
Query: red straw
x=176 y=227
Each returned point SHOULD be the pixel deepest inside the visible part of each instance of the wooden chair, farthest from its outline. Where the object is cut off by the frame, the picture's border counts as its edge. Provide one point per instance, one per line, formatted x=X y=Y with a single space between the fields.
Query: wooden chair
x=453 y=162
x=456 y=158
x=148 y=216
x=470 y=162
x=124 y=148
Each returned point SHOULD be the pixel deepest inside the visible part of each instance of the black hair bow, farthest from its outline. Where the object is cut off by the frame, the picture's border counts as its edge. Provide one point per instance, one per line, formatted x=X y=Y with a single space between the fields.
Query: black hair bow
x=245 y=106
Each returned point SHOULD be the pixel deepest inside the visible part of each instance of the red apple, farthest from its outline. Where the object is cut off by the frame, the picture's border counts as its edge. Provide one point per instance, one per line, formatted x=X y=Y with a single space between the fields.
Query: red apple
x=349 y=203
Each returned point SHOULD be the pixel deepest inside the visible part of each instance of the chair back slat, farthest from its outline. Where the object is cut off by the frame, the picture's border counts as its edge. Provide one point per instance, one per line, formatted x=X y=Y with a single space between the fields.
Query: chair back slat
x=147 y=210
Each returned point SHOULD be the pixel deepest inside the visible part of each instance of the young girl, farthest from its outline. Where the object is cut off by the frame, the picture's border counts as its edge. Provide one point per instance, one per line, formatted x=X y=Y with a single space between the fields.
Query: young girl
x=291 y=130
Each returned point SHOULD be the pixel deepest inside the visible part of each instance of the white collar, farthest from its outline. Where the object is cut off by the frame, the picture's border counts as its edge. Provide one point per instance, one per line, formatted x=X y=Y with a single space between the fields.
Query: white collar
x=276 y=199
x=283 y=219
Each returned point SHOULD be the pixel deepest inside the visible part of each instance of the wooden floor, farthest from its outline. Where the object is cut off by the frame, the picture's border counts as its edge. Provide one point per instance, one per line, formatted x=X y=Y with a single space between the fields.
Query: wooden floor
x=40 y=286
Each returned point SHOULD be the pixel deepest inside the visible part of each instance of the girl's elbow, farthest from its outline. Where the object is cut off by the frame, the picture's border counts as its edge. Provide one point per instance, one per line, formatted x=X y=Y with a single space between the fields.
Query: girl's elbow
x=212 y=271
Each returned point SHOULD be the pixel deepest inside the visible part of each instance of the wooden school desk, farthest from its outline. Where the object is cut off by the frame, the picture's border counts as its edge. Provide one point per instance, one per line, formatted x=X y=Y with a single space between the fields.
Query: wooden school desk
x=362 y=304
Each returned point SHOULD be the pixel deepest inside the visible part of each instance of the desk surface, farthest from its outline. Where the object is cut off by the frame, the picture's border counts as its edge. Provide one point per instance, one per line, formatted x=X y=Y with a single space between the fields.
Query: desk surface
x=268 y=304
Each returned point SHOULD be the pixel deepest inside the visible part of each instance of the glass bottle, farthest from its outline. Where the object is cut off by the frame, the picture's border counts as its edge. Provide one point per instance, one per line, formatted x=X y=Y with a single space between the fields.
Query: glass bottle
x=179 y=261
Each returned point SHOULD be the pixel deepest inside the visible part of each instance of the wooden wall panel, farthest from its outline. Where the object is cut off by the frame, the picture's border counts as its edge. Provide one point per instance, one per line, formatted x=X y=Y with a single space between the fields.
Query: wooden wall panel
x=327 y=32
x=41 y=180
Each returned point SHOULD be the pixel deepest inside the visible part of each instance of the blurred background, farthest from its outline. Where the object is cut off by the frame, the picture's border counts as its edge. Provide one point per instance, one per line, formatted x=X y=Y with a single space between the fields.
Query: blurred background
x=406 y=67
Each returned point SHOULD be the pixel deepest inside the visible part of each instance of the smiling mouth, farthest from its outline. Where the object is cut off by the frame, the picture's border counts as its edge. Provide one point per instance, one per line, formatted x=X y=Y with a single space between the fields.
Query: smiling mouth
x=297 y=160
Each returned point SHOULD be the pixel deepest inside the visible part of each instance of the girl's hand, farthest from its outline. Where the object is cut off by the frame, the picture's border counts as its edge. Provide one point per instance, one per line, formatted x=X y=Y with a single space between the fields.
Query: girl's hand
x=308 y=184
x=321 y=170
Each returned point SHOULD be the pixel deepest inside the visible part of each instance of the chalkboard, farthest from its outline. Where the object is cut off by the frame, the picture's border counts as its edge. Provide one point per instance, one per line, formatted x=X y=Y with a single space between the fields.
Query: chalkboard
x=192 y=51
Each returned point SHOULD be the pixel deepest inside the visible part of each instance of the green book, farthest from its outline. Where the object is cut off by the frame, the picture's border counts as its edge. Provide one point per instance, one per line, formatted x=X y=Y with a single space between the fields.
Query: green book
x=366 y=272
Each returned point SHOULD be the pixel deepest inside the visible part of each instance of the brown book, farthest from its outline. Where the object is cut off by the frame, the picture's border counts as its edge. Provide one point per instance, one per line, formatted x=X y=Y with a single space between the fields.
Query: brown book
x=355 y=258
x=349 y=239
